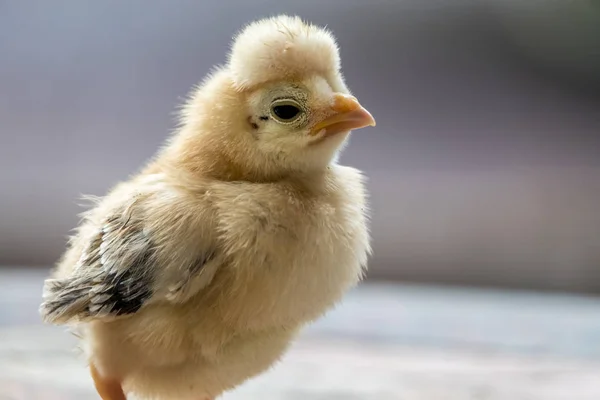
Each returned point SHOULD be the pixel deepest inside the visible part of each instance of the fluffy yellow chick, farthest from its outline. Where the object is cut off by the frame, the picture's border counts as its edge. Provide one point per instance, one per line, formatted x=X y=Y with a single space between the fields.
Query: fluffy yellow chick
x=196 y=274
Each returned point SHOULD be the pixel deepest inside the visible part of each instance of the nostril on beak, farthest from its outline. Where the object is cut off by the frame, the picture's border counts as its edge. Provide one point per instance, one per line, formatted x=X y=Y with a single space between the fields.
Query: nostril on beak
x=344 y=103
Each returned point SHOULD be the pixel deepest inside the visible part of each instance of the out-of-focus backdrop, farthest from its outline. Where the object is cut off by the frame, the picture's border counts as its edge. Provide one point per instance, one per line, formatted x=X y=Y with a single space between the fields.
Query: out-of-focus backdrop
x=484 y=167
x=484 y=171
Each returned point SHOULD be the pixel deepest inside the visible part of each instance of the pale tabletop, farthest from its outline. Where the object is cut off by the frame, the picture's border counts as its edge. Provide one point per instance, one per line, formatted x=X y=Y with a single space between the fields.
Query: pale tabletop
x=384 y=342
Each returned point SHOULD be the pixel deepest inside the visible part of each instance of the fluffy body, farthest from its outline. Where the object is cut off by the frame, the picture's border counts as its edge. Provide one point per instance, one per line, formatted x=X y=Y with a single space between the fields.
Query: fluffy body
x=198 y=272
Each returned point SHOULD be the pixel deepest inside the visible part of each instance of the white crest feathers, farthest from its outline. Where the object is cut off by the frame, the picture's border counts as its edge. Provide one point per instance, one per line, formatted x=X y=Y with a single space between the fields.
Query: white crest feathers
x=281 y=47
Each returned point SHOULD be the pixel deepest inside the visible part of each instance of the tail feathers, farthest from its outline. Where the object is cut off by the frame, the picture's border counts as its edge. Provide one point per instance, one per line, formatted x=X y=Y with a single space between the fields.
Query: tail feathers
x=65 y=301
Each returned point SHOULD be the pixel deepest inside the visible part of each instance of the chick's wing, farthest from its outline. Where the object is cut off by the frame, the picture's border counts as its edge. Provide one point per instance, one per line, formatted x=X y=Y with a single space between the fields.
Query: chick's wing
x=126 y=265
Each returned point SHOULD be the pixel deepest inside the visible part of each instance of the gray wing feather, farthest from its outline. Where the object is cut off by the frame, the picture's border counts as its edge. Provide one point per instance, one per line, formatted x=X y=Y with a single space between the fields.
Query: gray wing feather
x=113 y=277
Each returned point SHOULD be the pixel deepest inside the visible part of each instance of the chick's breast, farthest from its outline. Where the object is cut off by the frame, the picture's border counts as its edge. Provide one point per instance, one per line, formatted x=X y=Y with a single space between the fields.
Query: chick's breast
x=293 y=250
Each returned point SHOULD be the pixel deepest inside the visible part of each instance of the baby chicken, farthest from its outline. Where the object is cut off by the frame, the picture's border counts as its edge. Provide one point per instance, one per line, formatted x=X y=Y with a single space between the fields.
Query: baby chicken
x=196 y=274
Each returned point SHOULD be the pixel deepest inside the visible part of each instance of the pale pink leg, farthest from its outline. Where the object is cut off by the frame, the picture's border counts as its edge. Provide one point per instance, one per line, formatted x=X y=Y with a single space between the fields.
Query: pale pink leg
x=107 y=388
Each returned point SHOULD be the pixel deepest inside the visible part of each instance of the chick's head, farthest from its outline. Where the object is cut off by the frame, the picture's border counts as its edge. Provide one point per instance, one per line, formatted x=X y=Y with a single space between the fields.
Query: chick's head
x=280 y=104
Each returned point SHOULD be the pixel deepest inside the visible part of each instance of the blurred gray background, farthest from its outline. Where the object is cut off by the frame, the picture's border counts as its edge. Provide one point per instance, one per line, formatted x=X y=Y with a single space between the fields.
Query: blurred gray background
x=484 y=166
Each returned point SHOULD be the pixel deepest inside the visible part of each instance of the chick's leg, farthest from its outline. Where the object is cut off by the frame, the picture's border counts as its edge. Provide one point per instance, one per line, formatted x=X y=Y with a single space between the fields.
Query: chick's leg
x=107 y=388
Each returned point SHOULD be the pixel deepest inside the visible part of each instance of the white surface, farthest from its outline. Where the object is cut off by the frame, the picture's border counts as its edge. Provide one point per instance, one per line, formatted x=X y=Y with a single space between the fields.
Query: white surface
x=383 y=343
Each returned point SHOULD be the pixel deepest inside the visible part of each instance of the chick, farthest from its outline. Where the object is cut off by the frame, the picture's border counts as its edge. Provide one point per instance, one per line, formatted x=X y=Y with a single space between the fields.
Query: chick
x=197 y=273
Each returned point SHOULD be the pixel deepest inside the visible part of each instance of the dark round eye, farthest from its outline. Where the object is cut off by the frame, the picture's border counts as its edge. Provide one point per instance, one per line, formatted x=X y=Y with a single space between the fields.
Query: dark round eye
x=286 y=112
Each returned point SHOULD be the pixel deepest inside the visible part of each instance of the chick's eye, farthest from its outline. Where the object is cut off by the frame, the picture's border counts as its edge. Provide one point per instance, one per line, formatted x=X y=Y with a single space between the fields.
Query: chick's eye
x=285 y=112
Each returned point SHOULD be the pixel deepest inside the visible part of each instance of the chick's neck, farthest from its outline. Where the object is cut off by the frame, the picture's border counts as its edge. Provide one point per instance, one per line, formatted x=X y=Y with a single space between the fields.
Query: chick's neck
x=199 y=159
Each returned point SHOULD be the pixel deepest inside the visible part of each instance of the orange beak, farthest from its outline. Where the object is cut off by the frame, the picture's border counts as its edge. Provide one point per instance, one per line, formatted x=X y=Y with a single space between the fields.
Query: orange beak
x=349 y=115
